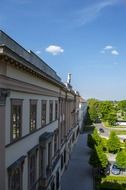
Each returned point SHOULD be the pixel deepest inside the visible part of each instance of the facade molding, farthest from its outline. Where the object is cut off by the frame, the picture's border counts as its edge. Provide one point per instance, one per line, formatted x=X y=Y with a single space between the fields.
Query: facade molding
x=20 y=86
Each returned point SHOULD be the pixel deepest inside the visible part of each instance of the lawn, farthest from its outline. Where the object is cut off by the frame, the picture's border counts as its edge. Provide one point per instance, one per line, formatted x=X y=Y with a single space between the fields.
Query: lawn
x=120 y=132
x=111 y=183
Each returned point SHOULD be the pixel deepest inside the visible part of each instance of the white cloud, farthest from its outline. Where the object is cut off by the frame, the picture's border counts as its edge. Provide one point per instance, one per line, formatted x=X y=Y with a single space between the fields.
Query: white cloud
x=54 y=49
x=90 y=13
x=108 y=47
x=38 y=52
x=114 y=52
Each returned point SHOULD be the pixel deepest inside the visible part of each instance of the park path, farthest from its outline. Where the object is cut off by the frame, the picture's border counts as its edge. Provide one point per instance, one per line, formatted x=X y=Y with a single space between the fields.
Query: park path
x=78 y=175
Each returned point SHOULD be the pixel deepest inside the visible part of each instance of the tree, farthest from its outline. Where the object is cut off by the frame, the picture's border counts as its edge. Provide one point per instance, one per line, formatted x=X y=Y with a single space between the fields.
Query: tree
x=98 y=158
x=104 y=144
x=93 y=160
x=101 y=156
x=121 y=159
x=96 y=137
x=93 y=109
x=90 y=141
x=122 y=105
x=106 y=107
x=112 y=118
x=113 y=143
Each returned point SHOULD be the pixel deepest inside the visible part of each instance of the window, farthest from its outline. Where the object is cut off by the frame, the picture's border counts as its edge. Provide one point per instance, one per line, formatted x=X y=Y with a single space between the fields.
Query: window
x=53 y=186
x=32 y=169
x=48 y=169
x=56 y=110
x=49 y=154
x=15 y=175
x=43 y=113
x=41 y=161
x=33 y=114
x=55 y=143
x=62 y=162
x=16 y=119
x=57 y=180
x=50 y=110
x=15 y=180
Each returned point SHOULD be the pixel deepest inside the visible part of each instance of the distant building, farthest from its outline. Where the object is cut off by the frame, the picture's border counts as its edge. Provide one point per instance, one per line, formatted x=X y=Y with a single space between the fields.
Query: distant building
x=82 y=112
x=39 y=121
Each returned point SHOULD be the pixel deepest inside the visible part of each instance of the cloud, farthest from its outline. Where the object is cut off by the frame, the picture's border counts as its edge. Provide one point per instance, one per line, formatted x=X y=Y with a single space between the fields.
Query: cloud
x=114 y=52
x=108 y=47
x=38 y=52
x=90 y=13
x=54 y=49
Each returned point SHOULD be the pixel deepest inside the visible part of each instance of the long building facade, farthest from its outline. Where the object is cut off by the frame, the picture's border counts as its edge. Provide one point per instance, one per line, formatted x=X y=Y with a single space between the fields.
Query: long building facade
x=38 y=120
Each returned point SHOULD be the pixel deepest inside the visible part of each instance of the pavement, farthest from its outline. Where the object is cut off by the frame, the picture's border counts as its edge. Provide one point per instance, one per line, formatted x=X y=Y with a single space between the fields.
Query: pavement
x=78 y=175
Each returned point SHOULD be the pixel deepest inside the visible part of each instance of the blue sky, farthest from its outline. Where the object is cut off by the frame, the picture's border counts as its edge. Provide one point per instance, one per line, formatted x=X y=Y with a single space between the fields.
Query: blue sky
x=86 y=38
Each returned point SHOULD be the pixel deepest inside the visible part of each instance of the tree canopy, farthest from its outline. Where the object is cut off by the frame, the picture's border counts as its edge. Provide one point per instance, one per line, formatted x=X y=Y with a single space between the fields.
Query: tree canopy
x=102 y=110
x=122 y=105
x=113 y=143
x=96 y=137
x=121 y=159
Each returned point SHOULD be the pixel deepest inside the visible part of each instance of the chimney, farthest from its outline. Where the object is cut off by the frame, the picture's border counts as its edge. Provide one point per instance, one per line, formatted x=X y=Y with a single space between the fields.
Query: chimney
x=69 y=78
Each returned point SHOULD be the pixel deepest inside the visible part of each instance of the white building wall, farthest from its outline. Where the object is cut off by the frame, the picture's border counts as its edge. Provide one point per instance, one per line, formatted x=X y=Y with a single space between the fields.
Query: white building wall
x=31 y=79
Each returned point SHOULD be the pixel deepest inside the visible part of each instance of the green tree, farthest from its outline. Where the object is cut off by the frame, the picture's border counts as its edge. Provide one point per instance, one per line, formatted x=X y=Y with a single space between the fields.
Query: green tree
x=113 y=143
x=106 y=107
x=93 y=109
x=101 y=156
x=90 y=141
x=96 y=137
x=121 y=159
x=98 y=158
x=104 y=144
x=122 y=105
x=93 y=160
x=112 y=118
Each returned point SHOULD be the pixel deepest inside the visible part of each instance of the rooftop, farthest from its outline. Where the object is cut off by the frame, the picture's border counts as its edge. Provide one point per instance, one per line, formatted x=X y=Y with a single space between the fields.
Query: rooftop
x=29 y=56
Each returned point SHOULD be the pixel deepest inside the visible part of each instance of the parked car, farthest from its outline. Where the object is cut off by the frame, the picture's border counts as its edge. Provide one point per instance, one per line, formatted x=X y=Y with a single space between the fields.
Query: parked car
x=101 y=130
x=115 y=169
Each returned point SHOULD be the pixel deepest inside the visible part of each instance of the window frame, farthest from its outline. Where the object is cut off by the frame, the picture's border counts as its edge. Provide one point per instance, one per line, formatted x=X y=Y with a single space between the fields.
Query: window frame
x=50 y=111
x=31 y=117
x=43 y=112
x=18 y=104
x=12 y=178
x=56 y=110
x=32 y=153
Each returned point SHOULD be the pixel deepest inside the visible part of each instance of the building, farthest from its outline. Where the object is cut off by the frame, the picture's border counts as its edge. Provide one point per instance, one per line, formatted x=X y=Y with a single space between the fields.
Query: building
x=82 y=112
x=38 y=120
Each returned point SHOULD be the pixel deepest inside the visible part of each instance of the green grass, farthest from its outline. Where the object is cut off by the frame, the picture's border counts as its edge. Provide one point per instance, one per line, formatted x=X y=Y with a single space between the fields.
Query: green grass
x=112 y=183
x=106 y=124
x=110 y=178
x=120 y=132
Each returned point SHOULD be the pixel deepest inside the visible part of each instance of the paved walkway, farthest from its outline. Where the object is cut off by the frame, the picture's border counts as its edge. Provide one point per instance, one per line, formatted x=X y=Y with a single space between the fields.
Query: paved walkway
x=78 y=175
